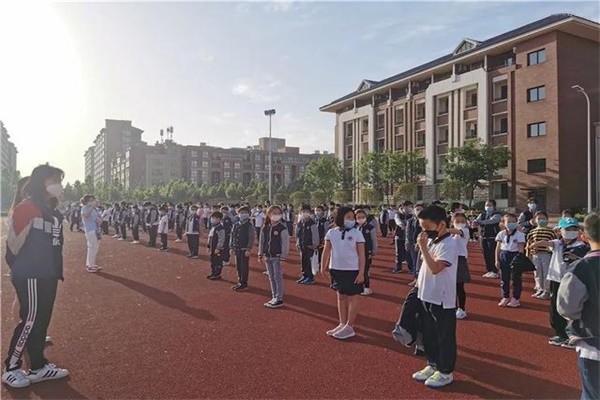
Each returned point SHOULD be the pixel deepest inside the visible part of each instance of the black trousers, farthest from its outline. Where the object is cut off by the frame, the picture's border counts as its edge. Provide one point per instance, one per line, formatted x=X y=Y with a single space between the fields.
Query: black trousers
x=557 y=322
x=400 y=252
x=461 y=295
x=257 y=235
x=368 y=262
x=163 y=241
x=488 y=245
x=74 y=221
x=179 y=231
x=152 y=232
x=193 y=241
x=216 y=264
x=243 y=266
x=124 y=231
x=104 y=226
x=226 y=253
x=36 y=301
x=384 y=229
x=117 y=231
x=305 y=255
x=135 y=231
x=439 y=336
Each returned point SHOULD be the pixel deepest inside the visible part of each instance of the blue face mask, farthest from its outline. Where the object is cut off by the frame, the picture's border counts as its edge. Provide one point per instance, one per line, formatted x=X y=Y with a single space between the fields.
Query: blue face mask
x=244 y=216
x=542 y=222
x=489 y=208
x=512 y=226
x=349 y=223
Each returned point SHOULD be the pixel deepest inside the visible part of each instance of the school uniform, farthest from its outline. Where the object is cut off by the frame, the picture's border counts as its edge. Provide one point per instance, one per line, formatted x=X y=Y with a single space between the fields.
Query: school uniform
x=344 y=263
x=370 y=235
x=258 y=218
x=307 y=241
x=540 y=257
x=242 y=240
x=179 y=222
x=383 y=222
x=206 y=216
x=193 y=234
x=437 y=293
x=391 y=220
x=399 y=240
x=216 y=243
x=462 y=274
x=227 y=223
x=413 y=228
x=509 y=248
x=152 y=218
x=75 y=218
x=273 y=245
x=171 y=216
x=105 y=221
x=136 y=221
x=163 y=231
x=322 y=228
x=123 y=220
x=489 y=226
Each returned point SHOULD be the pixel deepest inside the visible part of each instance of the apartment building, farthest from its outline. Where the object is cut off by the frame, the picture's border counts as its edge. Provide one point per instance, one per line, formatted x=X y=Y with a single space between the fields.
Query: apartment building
x=8 y=152
x=510 y=90
x=212 y=165
x=89 y=163
x=116 y=136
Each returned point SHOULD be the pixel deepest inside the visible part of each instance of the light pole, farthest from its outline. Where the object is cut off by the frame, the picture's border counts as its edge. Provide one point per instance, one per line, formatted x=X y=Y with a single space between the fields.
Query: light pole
x=589 y=148
x=270 y=113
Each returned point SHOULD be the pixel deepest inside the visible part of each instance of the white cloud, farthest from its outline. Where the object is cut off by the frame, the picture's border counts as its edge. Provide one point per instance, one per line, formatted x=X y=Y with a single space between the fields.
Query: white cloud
x=279 y=6
x=265 y=90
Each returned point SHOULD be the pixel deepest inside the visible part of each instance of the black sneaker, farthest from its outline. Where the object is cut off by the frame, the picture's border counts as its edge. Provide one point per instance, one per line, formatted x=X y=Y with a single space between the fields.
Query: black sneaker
x=164 y=249
x=419 y=352
x=241 y=288
x=558 y=340
x=274 y=304
x=189 y=256
x=302 y=278
x=235 y=287
x=214 y=277
x=396 y=271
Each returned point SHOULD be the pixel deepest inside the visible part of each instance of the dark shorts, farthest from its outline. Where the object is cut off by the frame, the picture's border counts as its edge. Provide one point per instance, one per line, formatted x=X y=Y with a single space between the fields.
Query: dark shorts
x=343 y=282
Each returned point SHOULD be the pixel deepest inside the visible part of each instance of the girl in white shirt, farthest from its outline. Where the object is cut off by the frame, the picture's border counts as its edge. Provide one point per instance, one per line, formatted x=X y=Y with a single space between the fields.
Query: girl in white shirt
x=460 y=234
x=344 y=258
x=509 y=243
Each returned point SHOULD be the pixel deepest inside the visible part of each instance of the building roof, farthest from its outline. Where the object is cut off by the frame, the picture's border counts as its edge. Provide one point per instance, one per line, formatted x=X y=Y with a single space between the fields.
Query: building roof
x=374 y=85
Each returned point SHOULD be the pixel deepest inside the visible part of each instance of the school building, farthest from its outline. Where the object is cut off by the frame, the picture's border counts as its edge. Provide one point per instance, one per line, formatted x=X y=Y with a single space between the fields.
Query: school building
x=512 y=90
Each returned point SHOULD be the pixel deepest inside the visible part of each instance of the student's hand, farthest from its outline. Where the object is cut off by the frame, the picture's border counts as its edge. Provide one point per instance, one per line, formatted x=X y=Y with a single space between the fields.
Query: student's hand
x=260 y=257
x=497 y=264
x=247 y=253
x=422 y=240
x=325 y=272
x=360 y=278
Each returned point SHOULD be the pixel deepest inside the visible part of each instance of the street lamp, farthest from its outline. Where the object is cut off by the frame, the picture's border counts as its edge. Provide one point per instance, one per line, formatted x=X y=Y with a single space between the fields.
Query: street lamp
x=270 y=113
x=589 y=148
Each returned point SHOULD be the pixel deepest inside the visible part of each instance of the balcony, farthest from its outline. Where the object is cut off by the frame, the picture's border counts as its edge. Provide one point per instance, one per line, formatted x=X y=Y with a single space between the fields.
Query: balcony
x=471 y=134
x=501 y=61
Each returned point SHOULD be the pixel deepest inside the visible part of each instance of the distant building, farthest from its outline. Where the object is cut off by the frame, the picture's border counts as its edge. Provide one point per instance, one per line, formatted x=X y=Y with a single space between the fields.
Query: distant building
x=9 y=152
x=89 y=163
x=117 y=136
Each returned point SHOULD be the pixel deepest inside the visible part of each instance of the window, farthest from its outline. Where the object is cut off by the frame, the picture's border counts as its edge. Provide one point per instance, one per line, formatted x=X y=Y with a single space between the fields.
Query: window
x=500 y=125
x=419 y=192
x=442 y=106
x=194 y=164
x=227 y=174
x=227 y=165
x=441 y=163
x=399 y=116
x=194 y=154
x=349 y=151
x=471 y=99
x=399 y=142
x=500 y=190
x=380 y=145
x=380 y=121
x=536 y=129
x=537 y=165
x=420 y=111
x=364 y=125
x=536 y=93
x=258 y=166
x=257 y=157
x=205 y=154
x=471 y=130
x=420 y=139
x=442 y=136
x=500 y=91
x=237 y=175
x=348 y=131
x=536 y=57
x=236 y=165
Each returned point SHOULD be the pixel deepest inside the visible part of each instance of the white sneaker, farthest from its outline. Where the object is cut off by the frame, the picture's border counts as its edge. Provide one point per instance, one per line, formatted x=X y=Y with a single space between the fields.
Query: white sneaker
x=115 y=236
x=178 y=240
x=486 y=275
x=47 y=372
x=48 y=339
x=439 y=380
x=493 y=275
x=120 y=239
x=367 y=292
x=225 y=263
x=345 y=333
x=460 y=313
x=335 y=330
x=424 y=374
x=537 y=293
x=92 y=270
x=135 y=242
x=15 y=378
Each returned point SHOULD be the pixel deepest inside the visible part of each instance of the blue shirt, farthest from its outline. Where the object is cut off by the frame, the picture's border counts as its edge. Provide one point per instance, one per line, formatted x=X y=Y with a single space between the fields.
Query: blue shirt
x=89 y=222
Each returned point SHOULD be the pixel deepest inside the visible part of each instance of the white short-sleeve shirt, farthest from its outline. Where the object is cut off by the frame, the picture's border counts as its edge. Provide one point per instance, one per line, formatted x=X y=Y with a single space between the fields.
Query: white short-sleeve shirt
x=513 y=241
x=344 y=255
x=440 y=288
x=462 y=242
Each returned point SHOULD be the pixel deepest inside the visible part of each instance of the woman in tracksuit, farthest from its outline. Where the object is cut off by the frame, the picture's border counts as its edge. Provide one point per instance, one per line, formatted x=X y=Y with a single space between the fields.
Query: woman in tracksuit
x=273 y=247
x=34 y=254
x=370 y=234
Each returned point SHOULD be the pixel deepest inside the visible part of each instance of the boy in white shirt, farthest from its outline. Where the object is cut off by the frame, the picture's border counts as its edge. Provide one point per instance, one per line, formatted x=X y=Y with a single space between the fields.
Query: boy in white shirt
x=509 y=243
x=437 y=292
x=163 y=228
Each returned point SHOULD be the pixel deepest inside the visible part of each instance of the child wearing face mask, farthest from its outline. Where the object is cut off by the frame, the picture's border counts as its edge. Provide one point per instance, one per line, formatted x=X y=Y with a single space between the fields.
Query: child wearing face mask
x=242 y=240
x=527 y=218
x=216 y=244
x=370 y=235
x=163 y=228
x=565 y=250
x=460 y=234
x=192 y=232
x=540 y=256
x=307 y=241
x=273 y=247
x=509 y=243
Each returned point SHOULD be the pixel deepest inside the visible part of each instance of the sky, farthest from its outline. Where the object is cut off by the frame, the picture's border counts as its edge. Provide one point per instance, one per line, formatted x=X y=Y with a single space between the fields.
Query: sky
x=211 y=69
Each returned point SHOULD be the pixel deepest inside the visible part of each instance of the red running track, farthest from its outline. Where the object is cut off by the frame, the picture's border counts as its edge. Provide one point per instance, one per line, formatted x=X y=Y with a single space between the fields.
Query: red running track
x=152 y=326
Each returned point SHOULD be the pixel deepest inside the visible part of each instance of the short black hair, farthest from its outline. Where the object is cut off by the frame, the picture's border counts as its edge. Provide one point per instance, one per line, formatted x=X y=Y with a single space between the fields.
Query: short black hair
x=491 y=201
x=542 y=213
x=305 y=207
x=243 y=209
x=433 y=213
x=510 y=215
x=320 y=207
x=591 y=227
x=339 y=216
x=217 y=214
x=532 y=200
x=359 y=211
x=407 y=203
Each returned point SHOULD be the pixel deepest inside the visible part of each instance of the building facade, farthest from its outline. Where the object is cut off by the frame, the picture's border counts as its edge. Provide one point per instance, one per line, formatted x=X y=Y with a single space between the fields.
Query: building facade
x=117 y=136
x=511 y=90
x=89 y=163
x=9 y=152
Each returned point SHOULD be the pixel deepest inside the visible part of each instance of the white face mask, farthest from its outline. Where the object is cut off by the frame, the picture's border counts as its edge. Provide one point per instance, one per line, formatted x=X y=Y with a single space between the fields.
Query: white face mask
x=55 y=190
x=570 y=235
x=275 y=217
x=460 y=226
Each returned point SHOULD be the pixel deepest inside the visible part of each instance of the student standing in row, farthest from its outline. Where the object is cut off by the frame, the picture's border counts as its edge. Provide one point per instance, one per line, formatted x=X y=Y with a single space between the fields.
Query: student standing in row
x=322 y=228
x=307 y=242
x=179 y=221
x=227 y=223
x=577 y=301
x=242 y=240
x=540 y=256
x=400 y=237
x=258 y=218
x=136 y=222
x=123 y=220
x=510 y=242
x=273 y=248
x=383 y=220
x=106 y=220
x=216 y=243
x=152 y=218
x=193 y=232
x=163 y=228
x=91 y=218
x=344 y=259
x=437 y=292
x=370 y=235
x=460 y=234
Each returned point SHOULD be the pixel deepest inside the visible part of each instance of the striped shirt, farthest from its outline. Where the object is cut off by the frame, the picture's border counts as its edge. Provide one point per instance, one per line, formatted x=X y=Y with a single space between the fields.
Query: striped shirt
x=537 y=234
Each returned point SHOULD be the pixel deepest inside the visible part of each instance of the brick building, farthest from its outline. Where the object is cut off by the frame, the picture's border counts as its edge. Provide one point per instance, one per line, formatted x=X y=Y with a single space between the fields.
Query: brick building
x=510 y=90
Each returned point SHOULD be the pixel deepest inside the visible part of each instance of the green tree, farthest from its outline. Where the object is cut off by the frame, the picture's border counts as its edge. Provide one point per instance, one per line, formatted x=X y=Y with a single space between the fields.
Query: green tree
x=474 y=165
x=405 y=191
x=371 y=196
x=452 y=190
x=372 y=171
x=323 y=174
x=8 y=187
x=300 y=197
